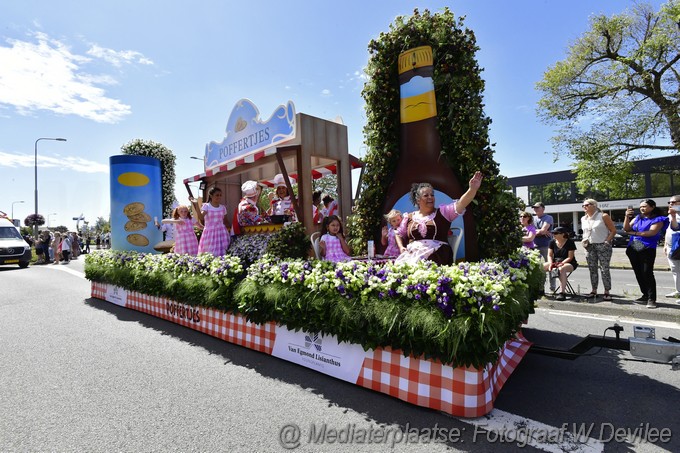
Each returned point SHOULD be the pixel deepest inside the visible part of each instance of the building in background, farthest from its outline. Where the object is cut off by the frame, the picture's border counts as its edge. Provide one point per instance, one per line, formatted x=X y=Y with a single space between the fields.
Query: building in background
x=652 y=178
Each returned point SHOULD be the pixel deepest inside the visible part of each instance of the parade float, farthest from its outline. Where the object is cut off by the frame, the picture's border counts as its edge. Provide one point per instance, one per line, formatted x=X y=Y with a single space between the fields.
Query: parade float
x=443 y=337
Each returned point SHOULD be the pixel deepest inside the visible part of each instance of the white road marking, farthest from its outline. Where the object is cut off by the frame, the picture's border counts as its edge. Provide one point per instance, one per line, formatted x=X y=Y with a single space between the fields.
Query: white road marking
x=503 y=427
x=620 y=319
x=64 y=268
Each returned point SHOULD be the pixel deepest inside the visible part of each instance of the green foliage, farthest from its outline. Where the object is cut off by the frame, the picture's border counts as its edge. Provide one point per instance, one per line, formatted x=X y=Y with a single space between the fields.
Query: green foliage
x=289 y=242
x=616 y=96
x=149 y=148
x=462 y=125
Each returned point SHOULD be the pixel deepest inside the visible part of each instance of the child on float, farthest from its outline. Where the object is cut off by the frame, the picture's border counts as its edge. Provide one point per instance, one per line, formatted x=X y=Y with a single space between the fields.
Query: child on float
x=282 y=203
x=185 y=237
x=248 y=212
x=332 y=245
x=213 y=216
x=394 y=219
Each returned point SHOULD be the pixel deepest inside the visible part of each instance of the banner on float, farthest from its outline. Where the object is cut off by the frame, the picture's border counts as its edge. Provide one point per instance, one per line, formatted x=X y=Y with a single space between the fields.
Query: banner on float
x=116 y=295
x=248 y=134
x=321 y=353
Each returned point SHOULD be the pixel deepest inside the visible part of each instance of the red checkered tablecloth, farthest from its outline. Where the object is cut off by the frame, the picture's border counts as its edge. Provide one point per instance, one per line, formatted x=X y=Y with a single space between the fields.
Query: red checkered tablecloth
x=462 y=392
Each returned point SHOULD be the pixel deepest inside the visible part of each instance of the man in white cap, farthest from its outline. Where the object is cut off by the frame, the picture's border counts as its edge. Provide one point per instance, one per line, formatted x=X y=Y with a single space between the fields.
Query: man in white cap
x=281 y=204
x=248 y=212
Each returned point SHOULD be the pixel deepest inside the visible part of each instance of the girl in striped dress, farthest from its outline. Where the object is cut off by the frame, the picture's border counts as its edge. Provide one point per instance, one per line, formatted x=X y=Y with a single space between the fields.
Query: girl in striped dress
x=332 y=246
x=213 y=216
x=184 y=235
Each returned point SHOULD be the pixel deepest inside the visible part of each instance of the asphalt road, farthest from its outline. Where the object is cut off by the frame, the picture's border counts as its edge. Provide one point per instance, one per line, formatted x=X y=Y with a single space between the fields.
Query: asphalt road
x=80 y=374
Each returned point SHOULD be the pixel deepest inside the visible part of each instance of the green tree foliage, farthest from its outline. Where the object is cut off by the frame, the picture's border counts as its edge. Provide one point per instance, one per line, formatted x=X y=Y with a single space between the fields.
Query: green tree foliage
x=102 y=225
x=139 y=147
x=463 y=128
x=616 y=96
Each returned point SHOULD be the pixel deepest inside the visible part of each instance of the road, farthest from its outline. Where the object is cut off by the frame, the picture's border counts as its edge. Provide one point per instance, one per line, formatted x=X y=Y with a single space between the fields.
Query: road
x=82 y=374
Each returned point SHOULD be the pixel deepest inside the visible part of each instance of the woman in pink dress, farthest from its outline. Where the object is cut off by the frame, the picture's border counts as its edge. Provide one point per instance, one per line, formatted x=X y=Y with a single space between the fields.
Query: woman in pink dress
x=185 y=237
x=213 y=216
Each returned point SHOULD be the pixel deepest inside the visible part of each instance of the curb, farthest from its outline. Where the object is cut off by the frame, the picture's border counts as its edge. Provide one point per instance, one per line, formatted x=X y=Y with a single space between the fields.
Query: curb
x=667 y=311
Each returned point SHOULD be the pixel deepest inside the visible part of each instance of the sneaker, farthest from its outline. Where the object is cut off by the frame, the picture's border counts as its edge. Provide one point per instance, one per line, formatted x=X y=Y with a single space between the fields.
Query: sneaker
x=640 y=300
x=561 y=296
x=673 y=294
x=651 y=304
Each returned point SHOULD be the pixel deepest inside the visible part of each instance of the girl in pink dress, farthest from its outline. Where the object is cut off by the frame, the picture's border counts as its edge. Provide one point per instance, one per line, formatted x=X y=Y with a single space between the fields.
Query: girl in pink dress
x=332 y=246
x=394 y=218
x=213 y=215
x=185 y=237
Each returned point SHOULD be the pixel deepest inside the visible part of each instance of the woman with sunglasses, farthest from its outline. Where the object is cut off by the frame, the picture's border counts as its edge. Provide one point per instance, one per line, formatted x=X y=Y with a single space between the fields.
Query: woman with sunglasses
x=528 y=230
x=598 y=232
x=561 y=258
x=644 y=230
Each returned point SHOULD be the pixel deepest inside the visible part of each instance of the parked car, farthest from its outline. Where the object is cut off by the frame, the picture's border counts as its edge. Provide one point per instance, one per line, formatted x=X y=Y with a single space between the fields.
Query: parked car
x=621 y=237
x=13 y=247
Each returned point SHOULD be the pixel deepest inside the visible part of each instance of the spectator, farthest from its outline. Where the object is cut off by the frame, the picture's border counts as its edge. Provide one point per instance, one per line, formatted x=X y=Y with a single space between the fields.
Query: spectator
x=561 y=258
x=644 y=230
x=543 y=223
x=673 y=211
x=528 y=230
x=66 y=248
x=56 y=247
x=598 y=233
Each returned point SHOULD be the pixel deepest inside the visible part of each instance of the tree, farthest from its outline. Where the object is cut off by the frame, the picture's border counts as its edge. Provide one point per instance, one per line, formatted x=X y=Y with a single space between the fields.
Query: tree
x=102 y=225
x=139 y=147
x=616 y=96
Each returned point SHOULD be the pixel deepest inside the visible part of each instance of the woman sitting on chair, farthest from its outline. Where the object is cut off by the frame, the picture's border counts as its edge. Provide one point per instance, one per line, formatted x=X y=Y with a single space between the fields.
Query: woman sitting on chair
x=561 y=258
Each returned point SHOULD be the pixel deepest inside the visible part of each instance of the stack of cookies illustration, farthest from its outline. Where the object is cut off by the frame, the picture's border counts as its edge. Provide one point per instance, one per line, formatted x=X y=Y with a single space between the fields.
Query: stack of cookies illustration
x=137 y=222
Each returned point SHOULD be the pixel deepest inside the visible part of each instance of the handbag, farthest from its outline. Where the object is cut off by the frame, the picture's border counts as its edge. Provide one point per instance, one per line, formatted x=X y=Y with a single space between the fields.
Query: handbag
x=637 y=245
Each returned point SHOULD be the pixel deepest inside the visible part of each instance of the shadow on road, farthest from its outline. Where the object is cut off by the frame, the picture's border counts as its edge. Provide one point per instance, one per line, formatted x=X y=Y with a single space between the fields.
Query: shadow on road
x=553 y=391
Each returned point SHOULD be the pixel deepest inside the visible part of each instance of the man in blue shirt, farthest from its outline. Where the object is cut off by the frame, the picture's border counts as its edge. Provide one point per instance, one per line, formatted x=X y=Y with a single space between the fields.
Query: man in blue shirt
x=543 y=223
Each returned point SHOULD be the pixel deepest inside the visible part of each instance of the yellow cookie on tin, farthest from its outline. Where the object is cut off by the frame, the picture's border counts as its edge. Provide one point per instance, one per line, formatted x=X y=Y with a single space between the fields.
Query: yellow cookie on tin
x=141 y=217
x=133 y=225
x=133 y=208
x=138 y=240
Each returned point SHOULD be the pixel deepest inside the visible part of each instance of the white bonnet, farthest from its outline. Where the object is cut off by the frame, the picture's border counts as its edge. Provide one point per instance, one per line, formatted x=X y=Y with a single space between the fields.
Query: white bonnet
x=249 y=188
x=278 y=181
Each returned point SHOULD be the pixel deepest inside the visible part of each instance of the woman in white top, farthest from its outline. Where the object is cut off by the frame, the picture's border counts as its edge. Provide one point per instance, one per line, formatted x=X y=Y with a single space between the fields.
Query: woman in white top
x=598 y=232
x=673 y=227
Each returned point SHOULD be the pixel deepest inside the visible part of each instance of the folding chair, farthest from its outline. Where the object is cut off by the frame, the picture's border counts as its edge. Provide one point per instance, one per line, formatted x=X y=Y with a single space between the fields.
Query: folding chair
x=569 y=290
x=454 y=238
x=314 y=238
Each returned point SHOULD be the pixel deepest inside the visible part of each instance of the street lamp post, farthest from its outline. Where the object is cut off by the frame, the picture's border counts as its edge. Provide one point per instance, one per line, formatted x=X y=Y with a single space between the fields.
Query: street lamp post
x=13 y=203
x=35 y=226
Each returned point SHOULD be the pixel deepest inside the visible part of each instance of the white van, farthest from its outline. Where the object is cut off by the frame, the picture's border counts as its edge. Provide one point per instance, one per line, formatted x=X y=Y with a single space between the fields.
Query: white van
x=13 y=247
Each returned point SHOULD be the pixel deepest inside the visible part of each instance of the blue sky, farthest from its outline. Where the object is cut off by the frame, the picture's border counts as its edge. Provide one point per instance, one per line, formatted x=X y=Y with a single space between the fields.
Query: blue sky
x=101 y=74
